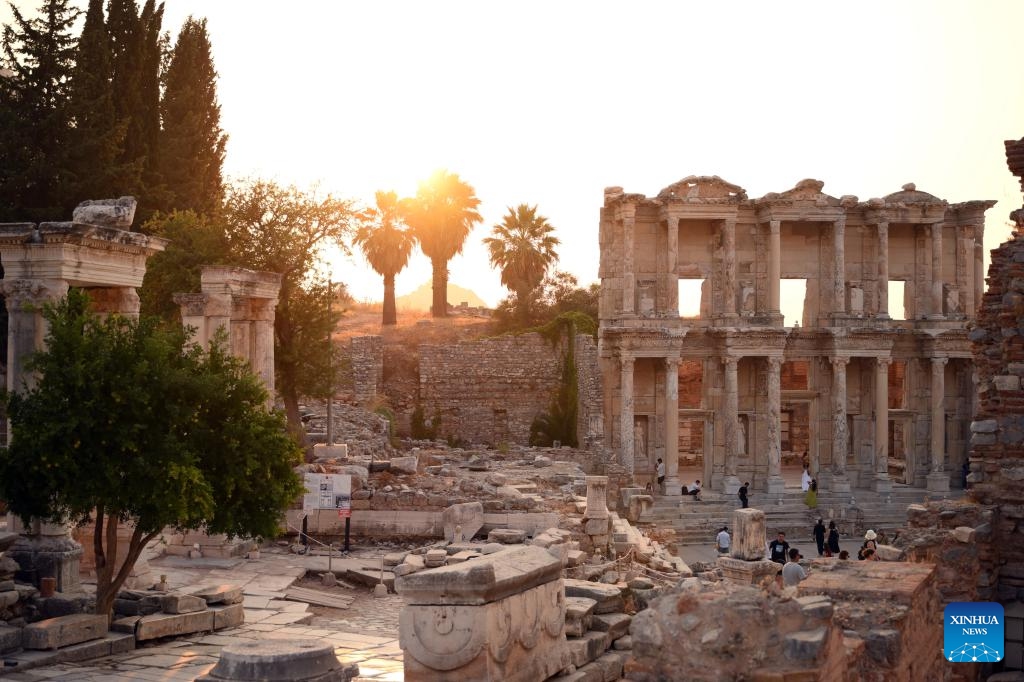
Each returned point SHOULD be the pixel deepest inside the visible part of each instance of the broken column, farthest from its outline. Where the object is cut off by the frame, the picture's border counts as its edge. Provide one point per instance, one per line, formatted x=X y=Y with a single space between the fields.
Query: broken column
x=746 y=563
x=498 y=617
x=301 y=660
x=597 y=519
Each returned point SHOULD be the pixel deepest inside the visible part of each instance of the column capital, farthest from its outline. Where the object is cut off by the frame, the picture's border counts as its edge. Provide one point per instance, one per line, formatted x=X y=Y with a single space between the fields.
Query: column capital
x=939 y=362
x=671 y=362
x=730 y=360
x=627 y=361
x=884 y=362
x=32 y=293
x=774 y=363
x=774 y=225
x=729 y=222
x=840 y=222
x=838 y=361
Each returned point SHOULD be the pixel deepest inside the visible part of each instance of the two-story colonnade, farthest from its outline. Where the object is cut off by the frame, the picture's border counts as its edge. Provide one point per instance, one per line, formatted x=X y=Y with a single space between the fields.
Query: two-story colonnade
x=873 y=387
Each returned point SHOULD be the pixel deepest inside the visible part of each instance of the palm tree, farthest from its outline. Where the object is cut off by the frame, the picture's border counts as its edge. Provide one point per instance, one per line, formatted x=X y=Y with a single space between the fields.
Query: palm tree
x=441 y=216
x=522 y=246
x=386 y=244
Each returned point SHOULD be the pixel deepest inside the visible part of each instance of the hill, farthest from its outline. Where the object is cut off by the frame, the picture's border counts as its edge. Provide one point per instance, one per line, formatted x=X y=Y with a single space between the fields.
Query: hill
x=423 y=297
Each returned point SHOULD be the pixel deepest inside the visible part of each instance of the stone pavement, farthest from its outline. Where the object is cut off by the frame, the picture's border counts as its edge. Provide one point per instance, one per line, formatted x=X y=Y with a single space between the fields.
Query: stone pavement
x=366 y=633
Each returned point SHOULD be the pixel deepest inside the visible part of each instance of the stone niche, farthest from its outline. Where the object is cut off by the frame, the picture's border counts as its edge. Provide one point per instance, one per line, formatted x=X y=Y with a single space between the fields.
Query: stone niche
x=499 y=617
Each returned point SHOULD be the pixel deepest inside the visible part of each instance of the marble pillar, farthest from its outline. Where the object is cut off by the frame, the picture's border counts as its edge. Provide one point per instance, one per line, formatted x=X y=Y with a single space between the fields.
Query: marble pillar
x=671 y=263
x=840 y=431
x=775 y=483
x=749 y=534
x=262 y=359
x=628 y=267
x=730 y=417
x=938 y=479
x=26 y=328
x=936 y=304
x=774 y=267
x=672 y=484
x=979 y=272
x=839 y=266
x=729 y=267
x=626 y=414
x=883 y=271
x=882 y=483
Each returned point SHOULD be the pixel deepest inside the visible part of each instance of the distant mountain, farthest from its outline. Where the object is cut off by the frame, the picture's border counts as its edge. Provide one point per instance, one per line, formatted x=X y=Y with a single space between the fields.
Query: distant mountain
x=424 y=296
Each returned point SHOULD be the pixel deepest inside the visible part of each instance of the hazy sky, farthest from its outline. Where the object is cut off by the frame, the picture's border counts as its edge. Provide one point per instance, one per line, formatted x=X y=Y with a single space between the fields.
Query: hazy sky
x=549 y=102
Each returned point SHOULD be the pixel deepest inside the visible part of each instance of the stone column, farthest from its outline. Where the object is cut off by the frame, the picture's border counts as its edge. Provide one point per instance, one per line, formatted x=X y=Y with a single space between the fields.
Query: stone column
x=936 y=312
x=840 y=434
x=883 y=271
x=774 y=268
x=938 y=479
x=628 y=273
x=730 y=418
x=671 y=263
x=882 y=482
x=626 y=413
x=263 y=342
x=672 y=484
x=979 y=272
x=839 y=272
x=776 y=484
x=26 y=328
x=729 y=267
x=749 y=536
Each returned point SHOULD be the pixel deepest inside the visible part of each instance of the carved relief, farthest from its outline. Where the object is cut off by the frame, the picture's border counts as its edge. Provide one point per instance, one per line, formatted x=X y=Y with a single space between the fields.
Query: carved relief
x=443 y=637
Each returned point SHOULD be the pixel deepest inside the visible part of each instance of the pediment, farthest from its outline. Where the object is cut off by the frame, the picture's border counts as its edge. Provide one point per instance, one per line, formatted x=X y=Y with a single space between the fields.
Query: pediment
x=911 y=196
x=808 y=192
x=698 y=187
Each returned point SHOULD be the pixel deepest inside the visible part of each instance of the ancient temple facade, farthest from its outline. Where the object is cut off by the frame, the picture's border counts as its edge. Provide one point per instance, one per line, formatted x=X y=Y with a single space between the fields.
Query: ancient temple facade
x=873 y=384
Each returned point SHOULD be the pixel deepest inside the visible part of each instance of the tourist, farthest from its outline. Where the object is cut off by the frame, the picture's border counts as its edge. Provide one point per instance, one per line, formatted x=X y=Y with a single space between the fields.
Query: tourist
x=661 y=476
x=778 y=548
x=870 y=555
x=965 y=472
x=833 y=538
x=723 y=540
x=869 y=543
x=819 y=536
x=805 y=479
x=743 y=495
x=844 y=555
x=694 y=490
x=793 y=572
x=811 y=498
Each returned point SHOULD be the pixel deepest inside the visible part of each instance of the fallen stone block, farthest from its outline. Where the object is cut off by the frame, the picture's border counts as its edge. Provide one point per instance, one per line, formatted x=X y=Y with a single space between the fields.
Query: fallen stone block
x=435 y=558
x=228 y=616
x=575 y=557
x=112 y=643
x=394 y=558
x=459 y=557
x=181 y=603
x=583 y=650
x=608 y=597
x=615 y=624
x=220 y=594
x=161 y=625
x=468 y=516
x=54 y=633
x=296 y=660
x=507 y=536
x=10 y=638
x=126 y=624
x=623 y=643
x=369 y=577
x=404 y=465
x=137 y=607
x=804 y=646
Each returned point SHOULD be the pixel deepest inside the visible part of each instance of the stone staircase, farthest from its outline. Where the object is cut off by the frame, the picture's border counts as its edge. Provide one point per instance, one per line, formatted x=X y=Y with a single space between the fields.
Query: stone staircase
x=697 y=522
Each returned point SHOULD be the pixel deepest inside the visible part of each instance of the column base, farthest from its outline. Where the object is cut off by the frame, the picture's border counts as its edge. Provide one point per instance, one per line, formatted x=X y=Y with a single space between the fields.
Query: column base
x=673 y=487
x=882 y=484
x=730 y=485
x=882 y=316
x=938 y=482
x=840 y=484
x=776 y=485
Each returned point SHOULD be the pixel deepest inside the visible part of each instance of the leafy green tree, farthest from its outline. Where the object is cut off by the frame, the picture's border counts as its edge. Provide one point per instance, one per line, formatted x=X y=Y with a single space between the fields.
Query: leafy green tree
x=34 y=139
x=559 y=421
x=386 y=244
x=522 y=247
x=192 y=144
x=286 y=230
x=441 y=216
x=130 y=422
x=97 y=135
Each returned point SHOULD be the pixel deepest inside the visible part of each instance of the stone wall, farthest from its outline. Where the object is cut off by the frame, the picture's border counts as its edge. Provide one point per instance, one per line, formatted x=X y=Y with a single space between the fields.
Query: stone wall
x=590 y=417
x=997 y=433
x=489 y=391
x=367 y=368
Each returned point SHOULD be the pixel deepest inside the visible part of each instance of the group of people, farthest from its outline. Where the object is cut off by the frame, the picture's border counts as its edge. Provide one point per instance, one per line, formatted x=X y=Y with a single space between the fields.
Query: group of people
x=693 y=489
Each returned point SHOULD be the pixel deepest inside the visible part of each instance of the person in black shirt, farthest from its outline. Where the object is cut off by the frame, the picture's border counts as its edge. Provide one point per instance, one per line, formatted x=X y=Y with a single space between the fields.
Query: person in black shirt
x=833 y=538
x=819 y=536
x=778 y=549
x=743 y=495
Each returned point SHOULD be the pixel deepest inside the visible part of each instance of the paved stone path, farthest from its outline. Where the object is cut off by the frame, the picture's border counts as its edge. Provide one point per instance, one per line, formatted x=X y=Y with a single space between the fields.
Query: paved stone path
x=366 y=633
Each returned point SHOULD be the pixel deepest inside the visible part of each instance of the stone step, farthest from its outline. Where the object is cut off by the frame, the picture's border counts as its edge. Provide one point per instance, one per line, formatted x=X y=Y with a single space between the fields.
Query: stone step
x=62 y=631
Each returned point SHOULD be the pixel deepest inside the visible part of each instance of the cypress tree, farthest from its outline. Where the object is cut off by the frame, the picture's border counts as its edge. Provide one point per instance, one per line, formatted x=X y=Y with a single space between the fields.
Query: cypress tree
x=192 y=143
x=38 y=56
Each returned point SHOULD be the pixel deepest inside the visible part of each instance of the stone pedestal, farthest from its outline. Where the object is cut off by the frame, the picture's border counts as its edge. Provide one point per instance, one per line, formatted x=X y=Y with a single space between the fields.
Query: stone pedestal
x=776 y=485
x=597 y=497
x=746 y=572
x=748 y=534
x=300 y=660
x=48 y=556
x=883 y=485
x=499 y=617
x=938 y=482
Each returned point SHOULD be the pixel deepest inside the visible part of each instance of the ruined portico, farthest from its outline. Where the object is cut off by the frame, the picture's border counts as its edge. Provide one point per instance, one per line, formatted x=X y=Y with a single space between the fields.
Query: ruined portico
x=867 y=398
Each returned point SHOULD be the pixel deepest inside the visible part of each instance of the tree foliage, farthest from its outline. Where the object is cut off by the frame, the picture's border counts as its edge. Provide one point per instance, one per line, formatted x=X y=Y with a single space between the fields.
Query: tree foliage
x=441 y=216
x=559 y=293
x=386 y=244
x=130 y=422
x=522 y=247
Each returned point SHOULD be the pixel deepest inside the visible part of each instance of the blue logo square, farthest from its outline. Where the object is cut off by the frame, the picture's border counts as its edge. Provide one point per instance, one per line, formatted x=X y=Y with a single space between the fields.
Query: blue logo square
x=973 y=632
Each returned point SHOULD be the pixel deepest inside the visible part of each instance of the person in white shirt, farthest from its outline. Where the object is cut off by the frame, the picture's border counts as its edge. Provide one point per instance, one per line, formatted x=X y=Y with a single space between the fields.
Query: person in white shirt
x=694 y=490
x=723 y=541
x=661 y=475
x=805 y=480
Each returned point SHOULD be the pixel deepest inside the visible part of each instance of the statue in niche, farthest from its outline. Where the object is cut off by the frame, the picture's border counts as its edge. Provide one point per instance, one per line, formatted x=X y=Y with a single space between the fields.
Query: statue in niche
x=639 y=441
x=741 y=436
x=747 y=301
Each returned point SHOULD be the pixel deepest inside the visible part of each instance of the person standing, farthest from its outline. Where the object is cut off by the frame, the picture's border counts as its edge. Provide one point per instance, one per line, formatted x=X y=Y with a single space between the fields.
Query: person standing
x=661 y=476
x=793 y=572
x=833 y=538
x=811 y=498
x=819 y=536
x=805 y=479
x=778 y=549
x=743 y=495
x=723 y=540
